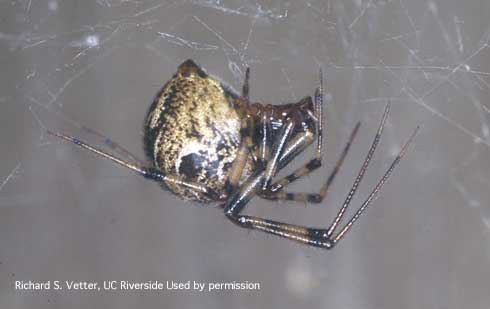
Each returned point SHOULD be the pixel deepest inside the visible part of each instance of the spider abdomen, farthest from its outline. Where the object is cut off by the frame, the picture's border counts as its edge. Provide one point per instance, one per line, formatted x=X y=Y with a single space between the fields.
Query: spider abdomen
x=193 y=131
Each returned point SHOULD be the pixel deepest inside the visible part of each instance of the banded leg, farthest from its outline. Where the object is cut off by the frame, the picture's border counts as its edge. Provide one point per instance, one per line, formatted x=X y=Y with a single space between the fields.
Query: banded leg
x=318 y=198
x=275 y=191
x=147 y=172
x=261 y=155
x=247 y=144
x=285 y=149
x=316 y=162
x=323 y=238
x=239 y=198
x=236 y=170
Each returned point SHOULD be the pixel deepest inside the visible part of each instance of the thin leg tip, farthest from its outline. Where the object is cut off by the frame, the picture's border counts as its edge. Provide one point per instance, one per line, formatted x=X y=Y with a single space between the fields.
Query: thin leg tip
x=385 y=117
x=55 y=134
x=387 y=109
x=409 y=141
x=412 y=136
x=358 y=125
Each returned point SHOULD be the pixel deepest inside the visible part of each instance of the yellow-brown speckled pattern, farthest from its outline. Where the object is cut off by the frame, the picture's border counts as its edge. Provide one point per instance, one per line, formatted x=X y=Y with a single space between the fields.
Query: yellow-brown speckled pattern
x=193 y=131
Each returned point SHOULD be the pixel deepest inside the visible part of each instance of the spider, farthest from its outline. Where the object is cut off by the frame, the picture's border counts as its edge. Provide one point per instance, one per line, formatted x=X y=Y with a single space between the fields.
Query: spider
x=208 y=144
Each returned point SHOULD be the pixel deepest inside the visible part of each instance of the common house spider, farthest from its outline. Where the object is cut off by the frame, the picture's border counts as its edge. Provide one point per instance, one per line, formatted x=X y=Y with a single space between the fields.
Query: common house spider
x=208 y=144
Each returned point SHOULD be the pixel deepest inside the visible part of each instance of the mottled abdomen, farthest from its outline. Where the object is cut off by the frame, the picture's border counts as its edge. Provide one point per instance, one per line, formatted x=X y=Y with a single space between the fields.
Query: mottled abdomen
x=193 y=130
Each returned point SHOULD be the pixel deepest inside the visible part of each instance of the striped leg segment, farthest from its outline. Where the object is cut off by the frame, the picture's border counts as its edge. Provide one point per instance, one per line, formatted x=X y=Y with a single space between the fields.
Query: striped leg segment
x=275 y=191
x=316 y=162
x=283 y=152
x=246 y=145
x=323 y=238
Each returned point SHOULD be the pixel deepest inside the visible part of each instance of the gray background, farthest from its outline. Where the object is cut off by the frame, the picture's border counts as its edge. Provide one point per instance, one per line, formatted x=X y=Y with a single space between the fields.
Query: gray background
x=67 y=215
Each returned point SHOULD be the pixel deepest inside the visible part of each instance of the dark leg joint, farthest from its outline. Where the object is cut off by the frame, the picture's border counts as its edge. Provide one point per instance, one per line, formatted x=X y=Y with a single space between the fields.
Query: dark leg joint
x=238 y=220
x=315 y=163
x=319 y=238
x=154 y=174
x=292 y=177
x=314 y=198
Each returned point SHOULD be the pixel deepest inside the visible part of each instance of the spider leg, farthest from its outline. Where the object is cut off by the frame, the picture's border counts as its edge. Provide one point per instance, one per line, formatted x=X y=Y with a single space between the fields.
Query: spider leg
x=239 y=198
x=238 y=201
x=248 y=149
x=284 y=149
x=246 y=84
x=147 y=172
x=260 y=152
x=296 y=146
x=274 y=192
x=246 y=144
x=319 y=116
x=317 y=198
x=272 y=163
x=264 y=152
x=241 y=158
x=362 y=171
x=112 y=145
x=375 y=191
x=323 y=238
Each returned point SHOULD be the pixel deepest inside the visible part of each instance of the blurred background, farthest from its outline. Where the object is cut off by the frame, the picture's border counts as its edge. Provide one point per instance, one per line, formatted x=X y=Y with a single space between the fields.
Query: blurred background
x=66 y=214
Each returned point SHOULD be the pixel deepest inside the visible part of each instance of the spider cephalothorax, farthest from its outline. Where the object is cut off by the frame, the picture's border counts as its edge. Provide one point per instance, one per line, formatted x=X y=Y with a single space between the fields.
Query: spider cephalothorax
x=206 y=143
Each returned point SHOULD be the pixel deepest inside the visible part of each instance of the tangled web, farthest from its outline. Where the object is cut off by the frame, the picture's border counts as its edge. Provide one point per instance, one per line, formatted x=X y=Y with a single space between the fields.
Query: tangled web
x=432 y=59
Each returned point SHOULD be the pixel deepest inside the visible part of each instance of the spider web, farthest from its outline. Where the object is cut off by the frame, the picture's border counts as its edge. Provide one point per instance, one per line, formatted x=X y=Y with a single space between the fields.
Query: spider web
x=68 y=65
